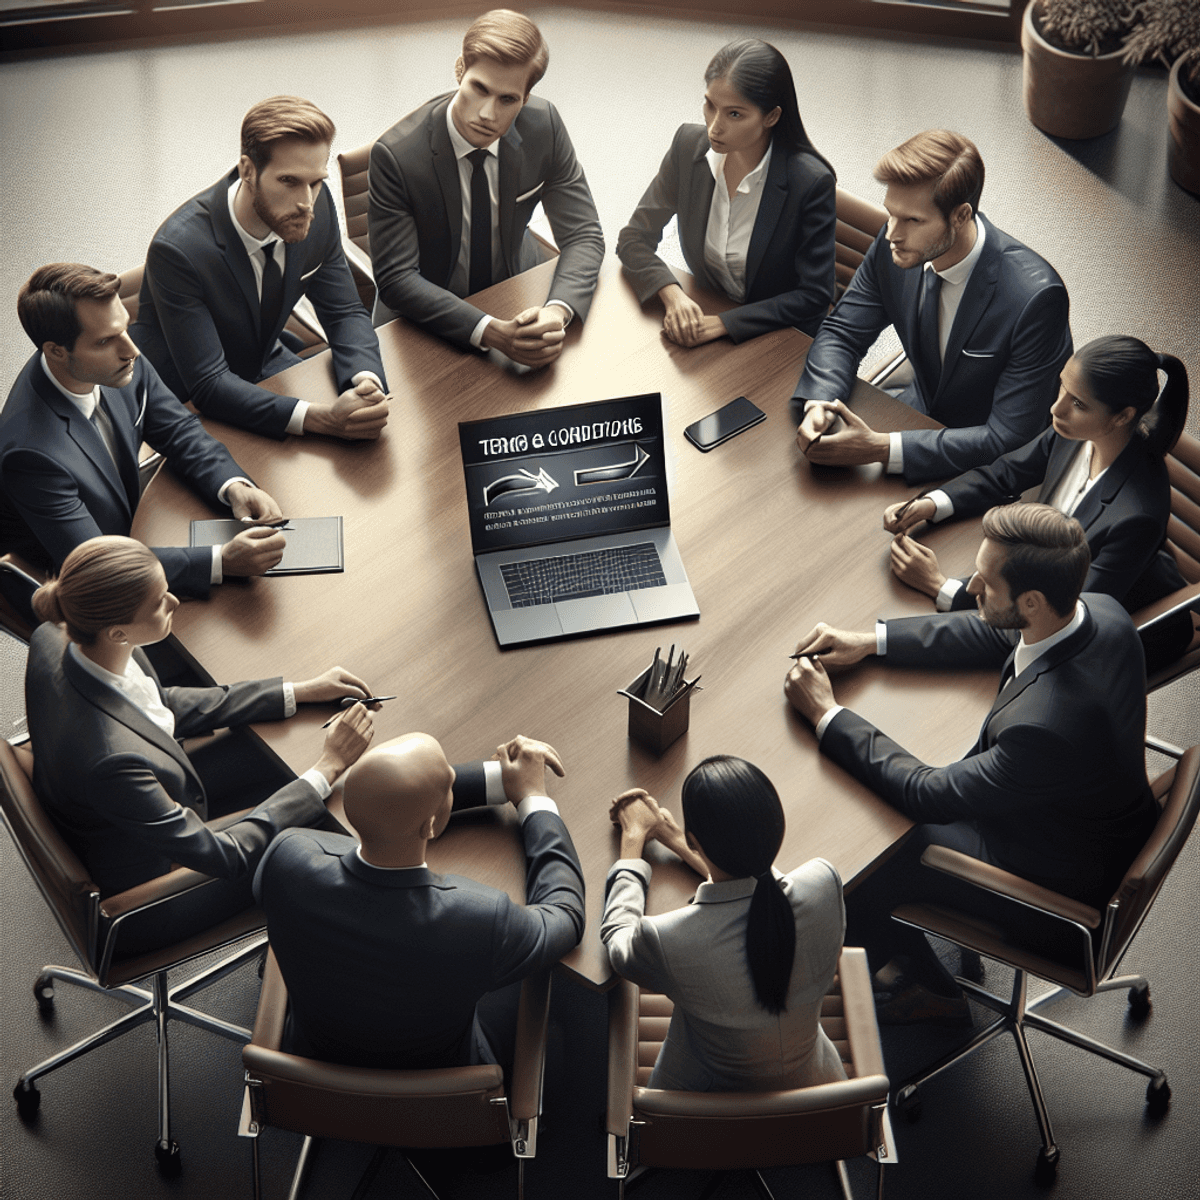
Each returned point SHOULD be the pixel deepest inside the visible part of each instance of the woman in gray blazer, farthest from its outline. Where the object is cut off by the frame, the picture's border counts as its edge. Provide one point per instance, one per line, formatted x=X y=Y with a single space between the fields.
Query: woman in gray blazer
x=755 y=203
x=107 y=761
x=748 y=962
x=1101 y=462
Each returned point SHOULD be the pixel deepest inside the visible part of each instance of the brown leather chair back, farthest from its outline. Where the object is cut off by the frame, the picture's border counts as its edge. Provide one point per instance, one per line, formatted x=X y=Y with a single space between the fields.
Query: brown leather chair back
x=60 y=876
x=353 y=167
x=858 y=223
x=1183 y=528
x=1148 y=871
x=447 y=1107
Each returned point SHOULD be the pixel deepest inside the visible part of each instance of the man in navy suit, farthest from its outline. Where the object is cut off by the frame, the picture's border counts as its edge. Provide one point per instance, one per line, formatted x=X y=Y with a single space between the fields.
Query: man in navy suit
x=225 y=270
x=487 y=147
x=72 y=426
x=981 y=317
x=388 y=963
x=1055 y=787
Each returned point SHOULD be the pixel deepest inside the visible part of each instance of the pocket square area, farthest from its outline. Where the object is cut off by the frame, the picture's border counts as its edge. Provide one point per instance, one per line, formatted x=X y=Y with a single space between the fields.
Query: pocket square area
x=533 y=191
x=313 y=271
x=980 y=353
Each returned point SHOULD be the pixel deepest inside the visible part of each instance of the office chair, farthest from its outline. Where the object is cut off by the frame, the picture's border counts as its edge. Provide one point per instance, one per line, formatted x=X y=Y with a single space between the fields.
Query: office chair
x=1183 y=540
x=93 y=927
x=732 y=1131
x=17 y=585
x=410 y=1110
x=1070 y=944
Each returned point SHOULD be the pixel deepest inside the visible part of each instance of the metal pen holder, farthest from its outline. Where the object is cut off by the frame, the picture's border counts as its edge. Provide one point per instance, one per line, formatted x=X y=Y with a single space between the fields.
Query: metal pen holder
x=653 y=729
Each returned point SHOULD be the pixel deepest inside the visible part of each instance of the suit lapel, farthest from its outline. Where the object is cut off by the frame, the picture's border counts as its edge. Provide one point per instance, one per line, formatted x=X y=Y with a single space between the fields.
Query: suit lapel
x=231 y=244
x=126 y=433
x=694 y=228
x=1103 y=493
x=1061 y=454
x=509 y=150
x=977 y=295
x=445 y=167
x=774 y=196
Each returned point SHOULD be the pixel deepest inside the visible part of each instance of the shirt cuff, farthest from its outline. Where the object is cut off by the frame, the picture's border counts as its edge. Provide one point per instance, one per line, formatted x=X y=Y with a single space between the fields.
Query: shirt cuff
x=319 y=782
x=532 y=804
x=562 y=304
x=943 y=505
x=289 y=700
x=823 y=723
x=881 y=638
x=477 y=332
x=217 y=572
x=945 y=596
x=493 y=782
x=229 y=483
x=295 y=425
x=895 y=461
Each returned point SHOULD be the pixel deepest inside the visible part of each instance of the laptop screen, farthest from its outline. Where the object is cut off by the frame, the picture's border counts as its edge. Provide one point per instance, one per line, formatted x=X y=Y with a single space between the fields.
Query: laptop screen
x=561 y=473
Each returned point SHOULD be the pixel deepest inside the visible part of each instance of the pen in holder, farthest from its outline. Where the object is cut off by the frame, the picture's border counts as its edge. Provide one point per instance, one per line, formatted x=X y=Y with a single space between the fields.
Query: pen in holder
x=660 y=702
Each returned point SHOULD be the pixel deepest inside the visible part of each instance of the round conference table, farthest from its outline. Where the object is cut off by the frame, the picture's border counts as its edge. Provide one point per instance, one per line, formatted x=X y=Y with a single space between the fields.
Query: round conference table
x=771 y=545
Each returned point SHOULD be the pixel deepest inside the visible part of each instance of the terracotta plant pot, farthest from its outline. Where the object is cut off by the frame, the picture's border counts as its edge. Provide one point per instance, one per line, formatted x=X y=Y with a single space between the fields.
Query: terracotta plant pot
x=1072 y=95
x=1183 y=128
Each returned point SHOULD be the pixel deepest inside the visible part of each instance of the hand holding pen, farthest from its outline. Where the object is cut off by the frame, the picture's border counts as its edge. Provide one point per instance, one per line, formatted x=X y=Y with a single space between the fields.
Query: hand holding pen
x=825 y=646
x=372 y=702
x=900 y=518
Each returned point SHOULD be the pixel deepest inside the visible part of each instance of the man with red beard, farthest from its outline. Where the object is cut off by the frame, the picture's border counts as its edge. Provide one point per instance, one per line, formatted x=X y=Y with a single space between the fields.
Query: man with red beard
x=225 y=270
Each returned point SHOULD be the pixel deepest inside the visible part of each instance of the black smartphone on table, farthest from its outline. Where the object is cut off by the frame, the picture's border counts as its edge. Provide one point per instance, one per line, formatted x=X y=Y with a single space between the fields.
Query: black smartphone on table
x=723 y=424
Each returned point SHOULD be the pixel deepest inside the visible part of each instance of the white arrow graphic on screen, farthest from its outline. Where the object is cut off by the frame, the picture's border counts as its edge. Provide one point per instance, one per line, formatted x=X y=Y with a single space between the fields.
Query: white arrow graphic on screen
x=622 y=470
x=526 y=481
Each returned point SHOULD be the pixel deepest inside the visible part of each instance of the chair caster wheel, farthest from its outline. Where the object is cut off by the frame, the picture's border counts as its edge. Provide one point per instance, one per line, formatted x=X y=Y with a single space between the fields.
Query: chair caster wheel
x=1046 y=1170
x=1139 y=1002
x=170 y=1163
x=28 y=1099
x=1158 y=1095
x=43 y=993
x=908 y=1102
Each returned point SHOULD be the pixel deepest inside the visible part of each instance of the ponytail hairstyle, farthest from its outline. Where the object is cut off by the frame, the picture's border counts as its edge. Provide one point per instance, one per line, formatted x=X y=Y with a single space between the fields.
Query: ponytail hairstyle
x=760 y=74
x=1122 y=372
x=103 y=582
x=732 y=809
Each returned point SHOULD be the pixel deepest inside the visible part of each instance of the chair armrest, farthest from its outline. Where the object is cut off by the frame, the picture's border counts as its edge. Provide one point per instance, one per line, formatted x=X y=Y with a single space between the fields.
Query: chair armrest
x=622 y=1055
x=358 y=259
x=153 y=891
x=1013 y=887
x=858 y=1007
x=529 y=1054
x=878 y=373
x=819 y=1097
x=272 y=1007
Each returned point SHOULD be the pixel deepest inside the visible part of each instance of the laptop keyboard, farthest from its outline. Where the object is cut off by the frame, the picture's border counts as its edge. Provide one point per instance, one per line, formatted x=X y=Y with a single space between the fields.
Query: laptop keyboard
x=575 y=576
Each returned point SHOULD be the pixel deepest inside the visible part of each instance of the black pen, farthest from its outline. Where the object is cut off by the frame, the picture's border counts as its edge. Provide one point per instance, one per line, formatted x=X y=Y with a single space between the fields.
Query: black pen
x=351 y=701
x=811 y=654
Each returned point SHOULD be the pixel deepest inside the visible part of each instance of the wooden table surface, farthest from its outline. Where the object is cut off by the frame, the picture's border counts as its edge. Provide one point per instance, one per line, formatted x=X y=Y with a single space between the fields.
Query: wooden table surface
x=771 y=545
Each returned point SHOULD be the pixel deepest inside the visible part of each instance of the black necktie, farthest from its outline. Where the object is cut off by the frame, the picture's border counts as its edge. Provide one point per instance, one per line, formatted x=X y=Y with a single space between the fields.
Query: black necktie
x=481 y=223
x=272 y=293
x=928 y=341
x=1009 y=672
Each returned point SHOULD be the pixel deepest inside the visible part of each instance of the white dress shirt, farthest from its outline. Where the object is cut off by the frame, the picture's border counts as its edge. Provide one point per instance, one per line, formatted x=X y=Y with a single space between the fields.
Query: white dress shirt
x=254 y=250
x=461 y=275
x=731 y=223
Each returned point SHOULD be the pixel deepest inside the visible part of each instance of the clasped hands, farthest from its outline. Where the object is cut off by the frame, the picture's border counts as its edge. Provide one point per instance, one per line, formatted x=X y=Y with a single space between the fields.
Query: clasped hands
x=856 y=442
x=912 y=562
x=523 y=762
x=358 y=414
x=641 y=819
x=685 y=323
x=533 y=338
x=807 y=686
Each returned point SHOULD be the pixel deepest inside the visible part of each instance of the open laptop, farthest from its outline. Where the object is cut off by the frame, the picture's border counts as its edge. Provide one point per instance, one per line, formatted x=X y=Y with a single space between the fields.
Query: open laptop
x=570 y=521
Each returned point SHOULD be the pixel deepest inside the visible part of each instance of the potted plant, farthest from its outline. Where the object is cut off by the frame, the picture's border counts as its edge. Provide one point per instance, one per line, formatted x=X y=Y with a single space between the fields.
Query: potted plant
x=1077 y=74
x=1170 y=30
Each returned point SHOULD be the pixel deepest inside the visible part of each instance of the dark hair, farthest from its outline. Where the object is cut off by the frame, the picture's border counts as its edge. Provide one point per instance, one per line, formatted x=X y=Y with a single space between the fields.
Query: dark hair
x=508 y=38
x=1045 y=552
x=732 y=809
x=948 y=160
x=46 y=301
x=757 y=71
x=103 y=582
x=1122 y=372
x=270 y=121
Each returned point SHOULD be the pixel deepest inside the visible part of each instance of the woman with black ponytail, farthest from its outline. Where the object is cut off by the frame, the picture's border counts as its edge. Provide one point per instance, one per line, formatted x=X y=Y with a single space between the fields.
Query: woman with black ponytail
x=748 y=961
x=755 y=203
x=1101 y=462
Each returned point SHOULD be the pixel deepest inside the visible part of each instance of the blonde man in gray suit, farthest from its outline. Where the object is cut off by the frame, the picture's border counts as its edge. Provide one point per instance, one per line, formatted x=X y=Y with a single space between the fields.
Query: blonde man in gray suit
x=748 y=962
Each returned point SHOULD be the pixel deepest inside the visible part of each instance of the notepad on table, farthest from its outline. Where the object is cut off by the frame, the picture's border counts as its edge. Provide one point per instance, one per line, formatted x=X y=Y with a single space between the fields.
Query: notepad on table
x=314 y=544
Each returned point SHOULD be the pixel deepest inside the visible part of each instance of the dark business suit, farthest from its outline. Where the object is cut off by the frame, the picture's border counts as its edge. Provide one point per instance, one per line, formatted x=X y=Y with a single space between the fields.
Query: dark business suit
x=999 y=375
x=385 y=968
x=198 y=315
x=789 y=262
x=61 y=485
x=125 y=794
x=1124 y=514
x=415 y=215
x=1056 y=782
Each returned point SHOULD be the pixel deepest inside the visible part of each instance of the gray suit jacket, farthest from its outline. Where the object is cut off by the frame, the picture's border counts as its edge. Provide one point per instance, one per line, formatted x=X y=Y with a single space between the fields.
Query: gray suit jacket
x=415 y=215
x=789 y=263
x=124 y=793
x=721 y=1038
x=1000 y=371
